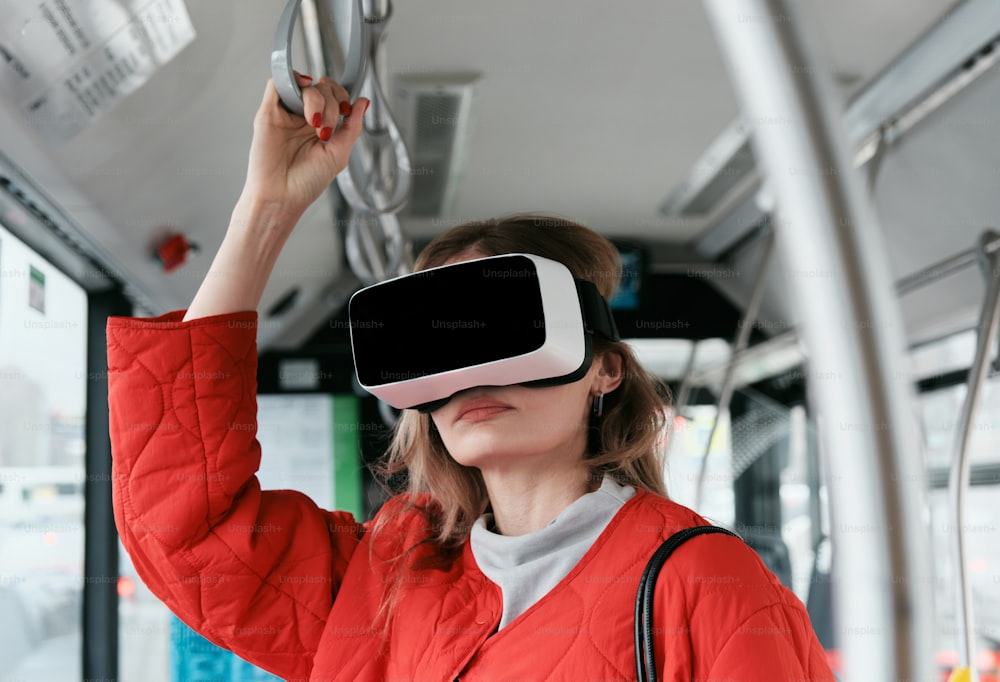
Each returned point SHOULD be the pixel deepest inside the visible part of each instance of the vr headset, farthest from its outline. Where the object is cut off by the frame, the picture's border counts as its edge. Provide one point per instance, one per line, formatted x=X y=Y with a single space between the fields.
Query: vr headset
x=497 y=321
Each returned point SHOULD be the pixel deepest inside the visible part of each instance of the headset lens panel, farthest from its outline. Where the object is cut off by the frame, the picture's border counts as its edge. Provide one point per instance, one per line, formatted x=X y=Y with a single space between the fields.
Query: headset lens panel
x=447 y=318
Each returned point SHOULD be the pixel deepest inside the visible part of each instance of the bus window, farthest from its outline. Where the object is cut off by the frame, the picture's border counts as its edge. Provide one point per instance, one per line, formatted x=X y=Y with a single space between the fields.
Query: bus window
x=799 y=482
x=685 y=454
x=310 y=444
x=938 y=358
x=940 y=411
x=43 y=344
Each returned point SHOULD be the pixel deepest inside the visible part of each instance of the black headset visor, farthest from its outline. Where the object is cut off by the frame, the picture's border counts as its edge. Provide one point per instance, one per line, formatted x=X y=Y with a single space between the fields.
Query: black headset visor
x=497 y=321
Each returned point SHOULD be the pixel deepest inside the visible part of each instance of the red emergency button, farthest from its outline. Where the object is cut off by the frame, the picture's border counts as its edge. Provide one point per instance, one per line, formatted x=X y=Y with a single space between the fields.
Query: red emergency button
x=173 y=251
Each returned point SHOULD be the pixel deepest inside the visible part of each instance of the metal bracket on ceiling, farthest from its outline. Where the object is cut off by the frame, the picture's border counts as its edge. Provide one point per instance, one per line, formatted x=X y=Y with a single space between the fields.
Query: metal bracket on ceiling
x=988 y=259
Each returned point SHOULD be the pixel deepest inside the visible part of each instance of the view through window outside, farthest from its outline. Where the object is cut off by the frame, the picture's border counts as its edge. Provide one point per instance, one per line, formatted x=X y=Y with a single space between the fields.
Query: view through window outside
x=309 y=443
x=43 y=342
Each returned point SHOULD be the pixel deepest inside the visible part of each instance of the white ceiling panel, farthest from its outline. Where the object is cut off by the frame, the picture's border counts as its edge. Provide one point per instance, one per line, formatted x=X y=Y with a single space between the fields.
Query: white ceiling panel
x=586 y=109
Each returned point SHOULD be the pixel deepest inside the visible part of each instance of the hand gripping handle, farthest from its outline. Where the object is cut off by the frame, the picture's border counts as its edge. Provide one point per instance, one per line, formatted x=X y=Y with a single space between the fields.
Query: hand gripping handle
x=356 y=54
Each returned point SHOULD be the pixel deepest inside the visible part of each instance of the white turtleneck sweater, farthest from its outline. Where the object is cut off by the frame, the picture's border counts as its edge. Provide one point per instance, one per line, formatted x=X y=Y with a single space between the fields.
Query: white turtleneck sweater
x=526 y=567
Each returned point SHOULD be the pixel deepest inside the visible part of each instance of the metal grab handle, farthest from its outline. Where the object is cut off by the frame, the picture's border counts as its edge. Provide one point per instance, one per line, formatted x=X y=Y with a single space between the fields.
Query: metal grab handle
x=368 y=159
x=367 y=174
x=356 y=55
x=369 y=261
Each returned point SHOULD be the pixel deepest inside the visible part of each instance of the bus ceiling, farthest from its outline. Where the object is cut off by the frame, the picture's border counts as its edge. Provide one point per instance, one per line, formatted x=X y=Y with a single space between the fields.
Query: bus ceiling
x=188 y=149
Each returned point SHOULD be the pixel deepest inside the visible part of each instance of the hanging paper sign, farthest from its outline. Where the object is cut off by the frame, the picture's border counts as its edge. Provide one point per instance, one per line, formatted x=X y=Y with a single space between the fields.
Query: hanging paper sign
x=64 y=63
x=310 y=444
x=296 y=431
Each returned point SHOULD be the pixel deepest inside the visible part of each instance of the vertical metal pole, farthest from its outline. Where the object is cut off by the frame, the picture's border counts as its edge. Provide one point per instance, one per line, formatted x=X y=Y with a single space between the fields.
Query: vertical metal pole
x=958 y=481
x=830 y=245
x=100 y=552
x=739 y=345
x=684 y=392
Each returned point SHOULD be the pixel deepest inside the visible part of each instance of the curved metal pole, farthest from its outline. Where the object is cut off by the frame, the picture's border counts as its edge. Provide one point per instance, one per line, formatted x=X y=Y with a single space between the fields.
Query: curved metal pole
x=831 y=247
x=958 y=481
x=739 y=345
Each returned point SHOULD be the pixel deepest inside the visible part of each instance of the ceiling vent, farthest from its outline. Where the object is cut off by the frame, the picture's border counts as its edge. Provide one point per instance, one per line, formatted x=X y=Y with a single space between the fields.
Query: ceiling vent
x=434 y=114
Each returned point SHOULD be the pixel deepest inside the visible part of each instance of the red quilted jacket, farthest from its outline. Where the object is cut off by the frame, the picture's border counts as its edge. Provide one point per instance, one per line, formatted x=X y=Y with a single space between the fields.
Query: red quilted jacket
x=294 y=588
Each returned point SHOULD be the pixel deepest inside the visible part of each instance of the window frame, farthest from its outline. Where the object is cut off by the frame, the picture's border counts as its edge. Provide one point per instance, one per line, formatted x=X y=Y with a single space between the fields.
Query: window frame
x=50 y=234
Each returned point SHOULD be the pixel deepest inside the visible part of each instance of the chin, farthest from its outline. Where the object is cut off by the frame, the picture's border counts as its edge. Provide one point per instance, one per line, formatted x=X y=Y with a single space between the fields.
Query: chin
x=482 y=454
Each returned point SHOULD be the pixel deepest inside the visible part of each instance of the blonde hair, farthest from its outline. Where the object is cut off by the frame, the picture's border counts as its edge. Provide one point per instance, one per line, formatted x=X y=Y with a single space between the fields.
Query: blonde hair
x=622 y=443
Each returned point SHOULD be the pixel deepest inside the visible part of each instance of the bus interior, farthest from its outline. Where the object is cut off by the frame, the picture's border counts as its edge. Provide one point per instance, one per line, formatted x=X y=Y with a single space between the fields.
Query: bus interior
x=124 y=130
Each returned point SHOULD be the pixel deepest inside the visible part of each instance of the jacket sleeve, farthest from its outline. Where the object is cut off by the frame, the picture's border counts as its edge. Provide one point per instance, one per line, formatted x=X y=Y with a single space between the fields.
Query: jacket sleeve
x=741 y=622
x=255 y=572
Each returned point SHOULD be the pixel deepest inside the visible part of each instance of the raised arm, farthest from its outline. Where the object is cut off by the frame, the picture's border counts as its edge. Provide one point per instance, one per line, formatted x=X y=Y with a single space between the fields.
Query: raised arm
x=292 y=161
x=254 y=571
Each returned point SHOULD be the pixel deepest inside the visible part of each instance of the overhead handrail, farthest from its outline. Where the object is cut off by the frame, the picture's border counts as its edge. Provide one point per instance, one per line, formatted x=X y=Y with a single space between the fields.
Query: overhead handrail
x=904 y=285
x=712 y=374
x=826 y=228
x=988 y=246
x=890 y=130
x=739 y=345
x=958 y=480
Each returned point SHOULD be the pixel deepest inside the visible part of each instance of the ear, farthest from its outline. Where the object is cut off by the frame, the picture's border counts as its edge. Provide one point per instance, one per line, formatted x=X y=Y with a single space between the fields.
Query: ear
x=610 y=367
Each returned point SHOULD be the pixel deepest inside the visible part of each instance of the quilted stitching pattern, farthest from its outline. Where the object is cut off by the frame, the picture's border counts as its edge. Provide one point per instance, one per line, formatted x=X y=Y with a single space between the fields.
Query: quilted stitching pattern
x=294 y=588
x=253 y=571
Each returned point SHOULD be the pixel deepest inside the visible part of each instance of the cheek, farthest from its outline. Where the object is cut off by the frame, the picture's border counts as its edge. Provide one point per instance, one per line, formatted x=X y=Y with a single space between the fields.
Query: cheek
x=554 y=414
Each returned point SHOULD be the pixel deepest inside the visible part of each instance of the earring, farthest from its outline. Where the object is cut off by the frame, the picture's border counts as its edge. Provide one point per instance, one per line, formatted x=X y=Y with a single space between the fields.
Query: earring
x=598 y=405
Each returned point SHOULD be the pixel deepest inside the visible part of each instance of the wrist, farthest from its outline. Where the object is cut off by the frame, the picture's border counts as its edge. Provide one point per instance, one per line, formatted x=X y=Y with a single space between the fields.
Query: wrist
x=265 y=220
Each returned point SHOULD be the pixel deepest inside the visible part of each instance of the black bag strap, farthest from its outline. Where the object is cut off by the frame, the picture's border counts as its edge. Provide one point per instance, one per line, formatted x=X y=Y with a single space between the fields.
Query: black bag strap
x=645 y=661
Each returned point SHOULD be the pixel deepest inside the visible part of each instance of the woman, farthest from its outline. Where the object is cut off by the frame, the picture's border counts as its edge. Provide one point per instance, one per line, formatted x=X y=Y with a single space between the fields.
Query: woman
x=532 y=510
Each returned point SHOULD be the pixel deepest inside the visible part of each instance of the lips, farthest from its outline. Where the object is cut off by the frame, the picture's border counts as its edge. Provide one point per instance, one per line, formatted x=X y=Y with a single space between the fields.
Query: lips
x=479 y=409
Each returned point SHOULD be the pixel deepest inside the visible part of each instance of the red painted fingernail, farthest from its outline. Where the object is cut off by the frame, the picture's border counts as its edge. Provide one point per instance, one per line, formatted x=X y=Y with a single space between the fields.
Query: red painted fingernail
x=366 y=107
x=308 y=78
x=317 y=119
x=325 y=133
x=345 y=108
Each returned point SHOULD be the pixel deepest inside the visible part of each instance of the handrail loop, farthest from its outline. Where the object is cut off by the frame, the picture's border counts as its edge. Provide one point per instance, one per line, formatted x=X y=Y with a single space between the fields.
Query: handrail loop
x=380 y=157
x=377 y=177
x=376 y=182
x=356 y=54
